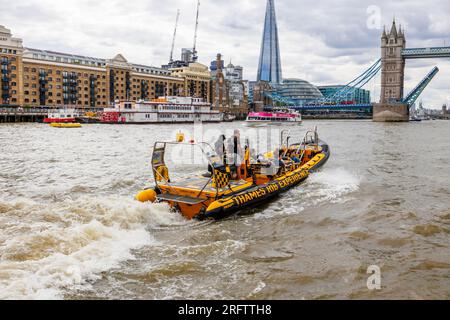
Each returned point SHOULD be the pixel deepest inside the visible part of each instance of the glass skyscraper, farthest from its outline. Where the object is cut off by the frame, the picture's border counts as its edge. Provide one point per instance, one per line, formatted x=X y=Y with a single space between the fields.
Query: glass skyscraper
x=269 y=60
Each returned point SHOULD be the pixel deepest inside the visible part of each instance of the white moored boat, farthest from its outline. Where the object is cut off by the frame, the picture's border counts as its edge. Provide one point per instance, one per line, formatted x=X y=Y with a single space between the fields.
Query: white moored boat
x=162 y=110
x=277 y=117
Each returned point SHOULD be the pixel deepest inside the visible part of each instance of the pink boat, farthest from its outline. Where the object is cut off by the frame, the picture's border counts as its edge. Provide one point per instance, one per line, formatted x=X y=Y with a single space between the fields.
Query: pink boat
x=277 y=117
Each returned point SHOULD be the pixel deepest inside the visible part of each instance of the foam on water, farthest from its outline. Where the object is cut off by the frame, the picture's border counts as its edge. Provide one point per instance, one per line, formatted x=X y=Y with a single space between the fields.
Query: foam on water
x=329 y=185
x=45 y=248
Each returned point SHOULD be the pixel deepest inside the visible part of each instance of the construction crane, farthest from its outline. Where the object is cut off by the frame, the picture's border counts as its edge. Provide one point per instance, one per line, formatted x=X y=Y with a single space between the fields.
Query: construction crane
x=194 y=50
x=174 y=35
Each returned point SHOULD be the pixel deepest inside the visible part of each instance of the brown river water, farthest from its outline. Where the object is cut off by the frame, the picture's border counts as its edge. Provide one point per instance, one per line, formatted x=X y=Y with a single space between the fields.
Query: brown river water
x=71 y=229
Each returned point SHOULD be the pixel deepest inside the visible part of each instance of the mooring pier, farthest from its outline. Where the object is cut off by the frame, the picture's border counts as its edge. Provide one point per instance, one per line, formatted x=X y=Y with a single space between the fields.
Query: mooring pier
x=12 y=115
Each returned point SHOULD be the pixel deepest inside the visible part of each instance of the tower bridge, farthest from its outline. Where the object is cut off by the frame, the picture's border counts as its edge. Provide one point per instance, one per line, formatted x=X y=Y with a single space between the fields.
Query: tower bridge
x=394 y=105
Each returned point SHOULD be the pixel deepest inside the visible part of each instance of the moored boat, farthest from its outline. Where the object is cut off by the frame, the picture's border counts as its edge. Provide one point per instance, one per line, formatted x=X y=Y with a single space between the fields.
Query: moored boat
x=89 y=117
x=278 y=116
x=232 y=188
x=61 y=116
x=162 y=110
x=65 y=125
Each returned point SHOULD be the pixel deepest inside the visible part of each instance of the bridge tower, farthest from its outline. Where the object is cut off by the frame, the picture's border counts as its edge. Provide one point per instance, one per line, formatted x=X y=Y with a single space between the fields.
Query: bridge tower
x=391 y=108
x=393 y=65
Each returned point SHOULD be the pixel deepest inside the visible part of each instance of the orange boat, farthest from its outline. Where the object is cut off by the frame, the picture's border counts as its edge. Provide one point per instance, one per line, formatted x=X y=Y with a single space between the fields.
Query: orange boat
x=229 y=190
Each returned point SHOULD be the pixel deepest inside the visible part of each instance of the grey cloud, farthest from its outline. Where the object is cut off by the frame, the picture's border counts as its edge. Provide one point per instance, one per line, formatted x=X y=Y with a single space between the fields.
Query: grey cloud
x=326 y=42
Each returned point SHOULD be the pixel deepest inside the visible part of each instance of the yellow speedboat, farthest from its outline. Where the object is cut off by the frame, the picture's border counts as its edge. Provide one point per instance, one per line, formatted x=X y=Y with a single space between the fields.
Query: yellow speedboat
x=229 y=190
x=65 y=125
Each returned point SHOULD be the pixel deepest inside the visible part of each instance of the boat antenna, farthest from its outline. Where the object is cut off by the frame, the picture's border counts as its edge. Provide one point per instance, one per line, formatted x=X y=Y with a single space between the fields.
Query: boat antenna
x=194 y=48
x=174 y=36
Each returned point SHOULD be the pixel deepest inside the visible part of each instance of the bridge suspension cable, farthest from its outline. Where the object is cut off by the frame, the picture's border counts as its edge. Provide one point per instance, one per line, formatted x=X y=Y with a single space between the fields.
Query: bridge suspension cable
x=351 y=87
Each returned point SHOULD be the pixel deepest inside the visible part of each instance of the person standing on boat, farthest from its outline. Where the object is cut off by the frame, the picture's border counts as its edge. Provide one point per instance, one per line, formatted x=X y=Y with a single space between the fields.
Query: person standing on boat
x=219 y=148
x=219 y=157
x=235 y=152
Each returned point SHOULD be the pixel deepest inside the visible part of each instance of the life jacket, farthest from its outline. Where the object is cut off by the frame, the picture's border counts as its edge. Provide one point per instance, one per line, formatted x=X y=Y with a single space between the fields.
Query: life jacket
x=162 y=173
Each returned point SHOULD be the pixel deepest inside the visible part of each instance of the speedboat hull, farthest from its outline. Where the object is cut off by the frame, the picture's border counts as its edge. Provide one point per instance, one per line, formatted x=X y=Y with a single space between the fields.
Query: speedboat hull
x=220 y=196
x=260 y=194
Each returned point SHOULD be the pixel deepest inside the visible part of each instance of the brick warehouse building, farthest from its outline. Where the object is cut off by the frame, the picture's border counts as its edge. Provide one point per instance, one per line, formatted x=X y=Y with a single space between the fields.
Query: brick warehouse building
x=31 y=77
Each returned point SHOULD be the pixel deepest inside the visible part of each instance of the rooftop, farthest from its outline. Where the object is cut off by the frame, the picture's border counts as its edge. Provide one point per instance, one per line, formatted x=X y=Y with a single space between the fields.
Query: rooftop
x=55 y=56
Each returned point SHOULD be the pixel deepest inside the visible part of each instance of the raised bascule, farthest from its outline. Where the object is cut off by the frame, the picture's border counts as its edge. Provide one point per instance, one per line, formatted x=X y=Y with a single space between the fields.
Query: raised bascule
x=394 y=106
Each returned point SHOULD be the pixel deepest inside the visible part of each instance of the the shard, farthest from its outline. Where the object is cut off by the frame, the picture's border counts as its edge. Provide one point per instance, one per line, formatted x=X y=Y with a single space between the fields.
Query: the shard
x=269 y=60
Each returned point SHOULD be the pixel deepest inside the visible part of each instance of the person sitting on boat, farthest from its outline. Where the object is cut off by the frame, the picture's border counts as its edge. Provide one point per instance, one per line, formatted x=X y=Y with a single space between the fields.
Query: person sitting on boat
x=277 y=161
x=295 y=159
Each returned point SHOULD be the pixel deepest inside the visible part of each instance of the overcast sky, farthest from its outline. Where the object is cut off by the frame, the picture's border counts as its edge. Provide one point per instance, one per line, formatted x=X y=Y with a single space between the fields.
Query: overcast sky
x=324 y=42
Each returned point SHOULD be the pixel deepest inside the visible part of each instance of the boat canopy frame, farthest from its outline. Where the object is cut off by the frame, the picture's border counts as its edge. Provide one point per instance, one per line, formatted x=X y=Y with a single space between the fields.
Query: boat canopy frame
x=158 y=160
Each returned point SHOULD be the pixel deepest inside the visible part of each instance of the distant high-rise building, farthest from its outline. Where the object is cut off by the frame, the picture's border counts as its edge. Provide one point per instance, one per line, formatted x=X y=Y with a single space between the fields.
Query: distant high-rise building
x=186 y=55
x=215 y=66
x=186 y=58
x=269 y=69
x=229 y=90
x=234 y=73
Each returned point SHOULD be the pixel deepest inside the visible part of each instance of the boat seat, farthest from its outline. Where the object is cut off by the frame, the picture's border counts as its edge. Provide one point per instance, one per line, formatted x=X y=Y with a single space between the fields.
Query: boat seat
x=179 y=199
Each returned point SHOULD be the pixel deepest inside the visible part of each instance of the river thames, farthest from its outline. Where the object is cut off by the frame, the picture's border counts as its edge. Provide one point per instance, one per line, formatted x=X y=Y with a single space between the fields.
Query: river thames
x=71 y=229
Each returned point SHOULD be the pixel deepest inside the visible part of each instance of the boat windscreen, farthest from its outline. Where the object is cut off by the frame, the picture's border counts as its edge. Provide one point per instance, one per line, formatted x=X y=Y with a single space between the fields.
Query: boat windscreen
x=188 y=160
